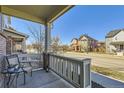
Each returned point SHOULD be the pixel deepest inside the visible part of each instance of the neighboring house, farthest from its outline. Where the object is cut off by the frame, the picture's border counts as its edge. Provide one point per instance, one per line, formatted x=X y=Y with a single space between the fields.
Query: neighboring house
x=3 y=39
x=115 y=42
x=83 y=44
x=75 y=46
x=100 y=47
x=15 y=42
x=87 y=43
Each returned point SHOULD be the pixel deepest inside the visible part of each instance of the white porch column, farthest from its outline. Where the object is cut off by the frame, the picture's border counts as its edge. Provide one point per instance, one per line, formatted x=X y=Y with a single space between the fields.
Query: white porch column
x=47 y=46
x=47 y=37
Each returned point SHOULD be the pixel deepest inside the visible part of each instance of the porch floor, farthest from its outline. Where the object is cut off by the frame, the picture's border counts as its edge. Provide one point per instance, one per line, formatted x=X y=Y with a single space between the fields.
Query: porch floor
x=42 y=79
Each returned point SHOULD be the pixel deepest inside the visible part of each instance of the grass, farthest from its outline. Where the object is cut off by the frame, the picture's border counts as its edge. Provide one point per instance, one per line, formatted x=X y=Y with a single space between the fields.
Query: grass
x=108 y=72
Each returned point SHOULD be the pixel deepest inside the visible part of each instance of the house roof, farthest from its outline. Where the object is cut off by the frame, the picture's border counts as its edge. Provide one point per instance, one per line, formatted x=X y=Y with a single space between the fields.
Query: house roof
x=87 y=37
x=11 y=30
x=113 y=33
x=2 y=34
x=73 y=39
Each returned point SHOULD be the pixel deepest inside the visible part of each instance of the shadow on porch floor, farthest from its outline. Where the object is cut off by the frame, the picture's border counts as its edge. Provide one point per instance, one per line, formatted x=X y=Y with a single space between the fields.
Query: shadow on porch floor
x=42 y=79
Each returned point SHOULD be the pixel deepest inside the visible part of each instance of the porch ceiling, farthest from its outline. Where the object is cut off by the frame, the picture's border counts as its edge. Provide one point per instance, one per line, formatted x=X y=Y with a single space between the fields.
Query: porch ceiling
x=36 y=13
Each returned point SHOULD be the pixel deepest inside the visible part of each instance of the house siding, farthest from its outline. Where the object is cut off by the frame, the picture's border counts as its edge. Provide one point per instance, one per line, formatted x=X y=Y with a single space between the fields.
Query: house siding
x=86 y=44
x=2 y=45
x=117 y=38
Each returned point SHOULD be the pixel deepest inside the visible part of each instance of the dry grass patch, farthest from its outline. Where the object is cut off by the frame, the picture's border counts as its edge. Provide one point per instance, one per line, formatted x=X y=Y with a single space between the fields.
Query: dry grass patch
x=108 y=72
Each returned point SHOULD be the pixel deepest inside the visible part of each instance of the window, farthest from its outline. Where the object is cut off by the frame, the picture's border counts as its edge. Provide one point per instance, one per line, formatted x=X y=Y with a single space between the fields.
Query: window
x=121 y=47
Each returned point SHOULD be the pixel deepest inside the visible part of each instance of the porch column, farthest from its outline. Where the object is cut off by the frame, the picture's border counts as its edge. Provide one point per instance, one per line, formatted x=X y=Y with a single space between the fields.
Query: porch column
x=47 y=37
x=47 y=46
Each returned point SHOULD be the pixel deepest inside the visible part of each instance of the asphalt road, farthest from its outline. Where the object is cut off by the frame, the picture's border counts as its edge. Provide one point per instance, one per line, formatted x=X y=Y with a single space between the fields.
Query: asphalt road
x=113 y=63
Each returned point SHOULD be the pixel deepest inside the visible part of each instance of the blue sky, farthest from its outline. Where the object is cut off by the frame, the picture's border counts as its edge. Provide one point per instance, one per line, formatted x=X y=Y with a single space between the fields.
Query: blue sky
x=96 y=21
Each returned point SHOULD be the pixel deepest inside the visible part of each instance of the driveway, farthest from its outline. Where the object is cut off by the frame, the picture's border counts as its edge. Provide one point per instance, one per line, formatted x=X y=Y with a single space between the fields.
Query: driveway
x=101 y=60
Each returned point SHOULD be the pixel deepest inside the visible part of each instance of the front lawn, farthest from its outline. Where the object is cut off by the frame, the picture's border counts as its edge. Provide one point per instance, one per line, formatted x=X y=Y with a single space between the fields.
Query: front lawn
x=108 y=72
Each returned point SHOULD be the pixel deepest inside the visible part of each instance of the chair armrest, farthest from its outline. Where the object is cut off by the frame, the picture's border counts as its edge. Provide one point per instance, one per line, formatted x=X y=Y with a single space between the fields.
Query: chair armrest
x=23 y=63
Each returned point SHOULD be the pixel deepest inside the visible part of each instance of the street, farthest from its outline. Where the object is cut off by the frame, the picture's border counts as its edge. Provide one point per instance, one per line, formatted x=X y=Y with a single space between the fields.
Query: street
x=101 y=60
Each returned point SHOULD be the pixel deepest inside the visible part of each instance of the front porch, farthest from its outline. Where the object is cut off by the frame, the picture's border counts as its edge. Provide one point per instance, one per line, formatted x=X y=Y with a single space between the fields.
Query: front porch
x=41 y=79
x=75 y=72
x=57 y=71
x=118 y=47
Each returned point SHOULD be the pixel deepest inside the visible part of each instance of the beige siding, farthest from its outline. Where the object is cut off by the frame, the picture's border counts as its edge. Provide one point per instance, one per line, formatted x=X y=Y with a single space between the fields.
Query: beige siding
x=2 y=45
x=119 y=37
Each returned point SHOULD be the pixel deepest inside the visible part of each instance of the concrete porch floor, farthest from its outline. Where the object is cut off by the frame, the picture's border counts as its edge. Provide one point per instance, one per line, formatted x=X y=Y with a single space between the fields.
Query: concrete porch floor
x=42 y=79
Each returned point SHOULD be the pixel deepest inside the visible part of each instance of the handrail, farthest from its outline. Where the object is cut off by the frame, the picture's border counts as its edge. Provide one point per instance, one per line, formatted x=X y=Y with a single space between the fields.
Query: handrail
x=75 y=71
x=69 y=58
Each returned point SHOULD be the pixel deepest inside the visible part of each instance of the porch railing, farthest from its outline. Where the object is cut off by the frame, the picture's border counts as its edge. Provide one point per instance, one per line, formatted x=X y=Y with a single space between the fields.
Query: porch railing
x=35 y=59
x=76 y=72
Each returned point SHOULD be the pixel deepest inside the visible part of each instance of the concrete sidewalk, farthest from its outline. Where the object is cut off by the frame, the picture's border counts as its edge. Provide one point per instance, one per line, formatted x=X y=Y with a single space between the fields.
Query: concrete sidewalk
x=106 y=81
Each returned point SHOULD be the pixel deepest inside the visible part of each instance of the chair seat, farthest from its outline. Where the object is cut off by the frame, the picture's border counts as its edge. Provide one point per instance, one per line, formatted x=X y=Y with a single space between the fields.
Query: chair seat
x=28 y=69
x=20 y=70
x=13 y=70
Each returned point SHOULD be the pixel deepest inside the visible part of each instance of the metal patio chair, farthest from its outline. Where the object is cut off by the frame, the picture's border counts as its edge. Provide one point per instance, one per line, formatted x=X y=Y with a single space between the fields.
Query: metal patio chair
x=13 y=68
x=23 y=58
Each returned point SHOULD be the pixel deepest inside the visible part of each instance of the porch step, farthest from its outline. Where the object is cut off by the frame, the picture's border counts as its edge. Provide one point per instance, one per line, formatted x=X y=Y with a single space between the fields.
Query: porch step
x=106 y=81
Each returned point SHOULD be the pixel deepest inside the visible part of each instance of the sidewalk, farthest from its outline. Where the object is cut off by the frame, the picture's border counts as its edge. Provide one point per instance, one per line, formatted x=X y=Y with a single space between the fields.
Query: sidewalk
x=106 y=81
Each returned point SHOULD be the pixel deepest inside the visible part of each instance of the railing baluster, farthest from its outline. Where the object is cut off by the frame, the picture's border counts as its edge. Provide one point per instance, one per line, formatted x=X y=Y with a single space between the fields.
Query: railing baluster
x=70 y=69
x=76 y=73
x=62 y=66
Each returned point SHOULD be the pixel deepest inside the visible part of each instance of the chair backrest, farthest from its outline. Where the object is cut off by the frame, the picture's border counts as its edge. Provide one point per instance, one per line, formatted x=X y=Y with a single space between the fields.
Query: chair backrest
x=22 y=57
x=13 y=60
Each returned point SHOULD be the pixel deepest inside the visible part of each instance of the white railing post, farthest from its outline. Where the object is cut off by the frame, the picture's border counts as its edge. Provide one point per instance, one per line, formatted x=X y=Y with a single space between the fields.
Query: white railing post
x=46 y=61
x=86 y=73
x=82 y=75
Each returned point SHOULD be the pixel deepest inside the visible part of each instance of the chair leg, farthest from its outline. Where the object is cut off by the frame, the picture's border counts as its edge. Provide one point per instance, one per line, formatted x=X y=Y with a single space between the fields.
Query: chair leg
x=17 y=79
x=31 y=73
x=8 y=80
x=4 y=80
x=11 y=82
x=24 y=78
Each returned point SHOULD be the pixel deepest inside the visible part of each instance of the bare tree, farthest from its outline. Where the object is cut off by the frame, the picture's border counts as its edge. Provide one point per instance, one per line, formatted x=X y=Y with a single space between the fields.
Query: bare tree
x=38 y=36
x=65 y=48
x=55 y=44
